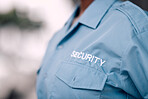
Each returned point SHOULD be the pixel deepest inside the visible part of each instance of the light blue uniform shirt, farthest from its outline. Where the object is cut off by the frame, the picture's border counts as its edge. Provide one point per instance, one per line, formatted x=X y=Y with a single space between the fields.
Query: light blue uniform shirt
x=104 y=55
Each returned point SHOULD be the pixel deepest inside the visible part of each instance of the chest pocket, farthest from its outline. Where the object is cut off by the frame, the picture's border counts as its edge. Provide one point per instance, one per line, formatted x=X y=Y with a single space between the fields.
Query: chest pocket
x=80 y=76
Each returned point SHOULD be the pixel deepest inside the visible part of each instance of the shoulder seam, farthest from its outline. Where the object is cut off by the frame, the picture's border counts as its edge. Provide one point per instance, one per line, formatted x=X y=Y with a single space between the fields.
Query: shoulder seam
x=127 y=8
x=137 y=30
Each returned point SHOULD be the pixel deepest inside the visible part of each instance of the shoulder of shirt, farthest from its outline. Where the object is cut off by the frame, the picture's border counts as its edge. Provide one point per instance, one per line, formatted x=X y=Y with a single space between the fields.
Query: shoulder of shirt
x=135 y=14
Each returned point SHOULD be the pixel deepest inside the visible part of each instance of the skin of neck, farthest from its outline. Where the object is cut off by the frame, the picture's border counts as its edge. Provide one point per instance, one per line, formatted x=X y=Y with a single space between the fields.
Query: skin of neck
x=83 y=5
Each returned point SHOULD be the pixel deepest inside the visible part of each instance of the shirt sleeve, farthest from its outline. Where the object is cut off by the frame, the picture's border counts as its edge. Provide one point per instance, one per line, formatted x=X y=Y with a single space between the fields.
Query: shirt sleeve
x=135 y=63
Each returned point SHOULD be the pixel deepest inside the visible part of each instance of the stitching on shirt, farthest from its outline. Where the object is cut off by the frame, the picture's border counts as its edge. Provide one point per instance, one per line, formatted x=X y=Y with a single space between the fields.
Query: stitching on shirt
x=137 y=30
x=82 y=65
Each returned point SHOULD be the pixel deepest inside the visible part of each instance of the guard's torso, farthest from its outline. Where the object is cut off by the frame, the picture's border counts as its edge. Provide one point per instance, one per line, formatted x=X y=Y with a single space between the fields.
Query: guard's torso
x=85 y=61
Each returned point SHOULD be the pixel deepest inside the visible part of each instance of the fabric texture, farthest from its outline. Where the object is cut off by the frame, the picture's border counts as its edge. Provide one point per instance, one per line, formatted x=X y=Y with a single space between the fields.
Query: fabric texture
x=103 y=55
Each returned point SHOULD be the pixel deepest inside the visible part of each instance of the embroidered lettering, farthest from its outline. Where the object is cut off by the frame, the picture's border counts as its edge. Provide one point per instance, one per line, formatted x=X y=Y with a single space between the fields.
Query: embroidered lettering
x=88 y=57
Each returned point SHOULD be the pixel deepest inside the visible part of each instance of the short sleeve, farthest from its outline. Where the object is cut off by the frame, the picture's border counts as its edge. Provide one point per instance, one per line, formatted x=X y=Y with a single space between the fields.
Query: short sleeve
x=135 y=63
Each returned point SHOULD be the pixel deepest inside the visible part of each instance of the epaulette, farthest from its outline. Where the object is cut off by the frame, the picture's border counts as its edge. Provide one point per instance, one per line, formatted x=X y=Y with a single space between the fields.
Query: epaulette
x=136 y=15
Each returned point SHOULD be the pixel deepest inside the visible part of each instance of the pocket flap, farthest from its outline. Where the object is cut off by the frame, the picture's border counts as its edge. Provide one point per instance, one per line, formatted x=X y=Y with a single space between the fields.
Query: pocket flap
x=81 y=76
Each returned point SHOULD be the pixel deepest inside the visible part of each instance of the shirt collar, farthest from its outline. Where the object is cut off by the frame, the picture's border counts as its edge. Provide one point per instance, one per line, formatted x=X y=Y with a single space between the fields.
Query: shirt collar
x=95 y=12
x=70 y=20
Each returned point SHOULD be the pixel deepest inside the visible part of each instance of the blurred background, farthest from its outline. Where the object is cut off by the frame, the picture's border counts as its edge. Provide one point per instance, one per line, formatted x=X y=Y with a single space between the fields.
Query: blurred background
x=26 y=26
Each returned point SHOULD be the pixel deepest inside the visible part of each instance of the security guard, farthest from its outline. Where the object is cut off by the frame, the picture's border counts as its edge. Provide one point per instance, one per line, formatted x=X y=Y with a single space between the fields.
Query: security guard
x=103 y=54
